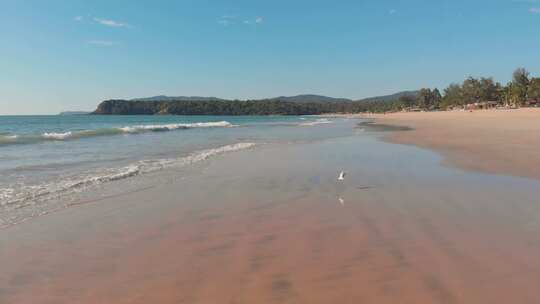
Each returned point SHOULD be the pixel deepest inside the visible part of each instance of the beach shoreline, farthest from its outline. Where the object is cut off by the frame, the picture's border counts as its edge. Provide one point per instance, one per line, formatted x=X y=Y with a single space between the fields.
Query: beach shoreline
x=491 y=141
x=273 y=225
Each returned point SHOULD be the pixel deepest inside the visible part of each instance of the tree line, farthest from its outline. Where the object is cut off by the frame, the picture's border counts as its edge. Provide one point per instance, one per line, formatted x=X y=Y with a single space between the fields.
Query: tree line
x=220 y=107
x=520 y=91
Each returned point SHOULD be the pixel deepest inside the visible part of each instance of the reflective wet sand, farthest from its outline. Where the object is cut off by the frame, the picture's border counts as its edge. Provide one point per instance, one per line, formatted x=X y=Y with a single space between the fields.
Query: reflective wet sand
x=268 y=226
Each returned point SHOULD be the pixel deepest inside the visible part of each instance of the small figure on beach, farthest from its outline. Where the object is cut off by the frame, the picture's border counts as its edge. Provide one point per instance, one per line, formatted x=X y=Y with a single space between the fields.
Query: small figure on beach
x=341 y=176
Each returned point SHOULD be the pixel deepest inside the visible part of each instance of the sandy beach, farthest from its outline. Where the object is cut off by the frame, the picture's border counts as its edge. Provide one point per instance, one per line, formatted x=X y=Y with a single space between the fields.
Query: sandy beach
x=272 y=225
x=492 y=141
x=228 y=152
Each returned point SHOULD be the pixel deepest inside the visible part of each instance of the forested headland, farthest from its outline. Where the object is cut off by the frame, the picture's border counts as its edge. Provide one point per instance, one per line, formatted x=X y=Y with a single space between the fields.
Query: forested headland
x=522 y=90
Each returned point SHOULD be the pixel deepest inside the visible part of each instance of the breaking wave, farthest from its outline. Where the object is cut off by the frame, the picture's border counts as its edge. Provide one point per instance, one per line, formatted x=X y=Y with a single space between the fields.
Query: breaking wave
x=6 y=139
x=320 y=121
x=16 y=197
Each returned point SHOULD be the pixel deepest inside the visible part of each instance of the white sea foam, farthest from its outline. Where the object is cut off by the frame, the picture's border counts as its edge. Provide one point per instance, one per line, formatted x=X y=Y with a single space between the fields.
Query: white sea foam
x=57 y=136
x=5 y=194
x=319 y=121
x=19 y=196
x=169 y=127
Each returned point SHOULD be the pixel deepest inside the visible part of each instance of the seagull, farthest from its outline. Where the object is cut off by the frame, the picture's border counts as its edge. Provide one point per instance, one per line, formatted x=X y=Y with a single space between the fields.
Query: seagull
x=341 y=176
x=341 y=201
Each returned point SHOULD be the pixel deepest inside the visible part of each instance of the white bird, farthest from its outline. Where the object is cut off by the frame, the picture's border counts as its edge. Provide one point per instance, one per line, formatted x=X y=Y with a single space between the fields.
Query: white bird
x=341 y=201
x=341 y=176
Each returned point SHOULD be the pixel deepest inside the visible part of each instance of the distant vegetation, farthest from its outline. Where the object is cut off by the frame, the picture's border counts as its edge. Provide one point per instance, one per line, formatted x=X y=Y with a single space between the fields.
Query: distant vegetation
x=523 y=90
x=220 y=107
x=295 y=105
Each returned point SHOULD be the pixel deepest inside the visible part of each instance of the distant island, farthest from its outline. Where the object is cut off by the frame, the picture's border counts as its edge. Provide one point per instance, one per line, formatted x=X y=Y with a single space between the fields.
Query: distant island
x=67 y=113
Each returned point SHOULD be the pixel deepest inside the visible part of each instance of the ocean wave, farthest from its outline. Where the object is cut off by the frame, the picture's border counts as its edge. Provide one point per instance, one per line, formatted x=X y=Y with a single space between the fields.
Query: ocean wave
x=17 y=196
x=6 y=139
x=57 y=136
x=319 y=121
x=170 y=127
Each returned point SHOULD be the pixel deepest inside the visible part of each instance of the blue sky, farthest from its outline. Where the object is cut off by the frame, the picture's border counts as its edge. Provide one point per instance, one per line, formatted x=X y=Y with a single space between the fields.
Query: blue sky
x=70 y=55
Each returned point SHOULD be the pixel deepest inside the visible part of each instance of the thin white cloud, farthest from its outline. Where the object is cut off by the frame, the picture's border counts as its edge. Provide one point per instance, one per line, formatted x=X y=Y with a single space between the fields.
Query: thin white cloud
x=226 y=20
x=102 y=42
x=78 y=18
x=534 y=10
x=111 y=23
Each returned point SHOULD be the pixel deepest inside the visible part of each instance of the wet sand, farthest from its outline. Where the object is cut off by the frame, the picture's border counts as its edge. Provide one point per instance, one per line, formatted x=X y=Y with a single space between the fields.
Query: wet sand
x=495 y=141
x=267 y=226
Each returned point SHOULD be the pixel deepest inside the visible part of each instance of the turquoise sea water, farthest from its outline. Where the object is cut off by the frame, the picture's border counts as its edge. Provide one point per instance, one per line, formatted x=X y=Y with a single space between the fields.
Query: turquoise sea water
x=45 y=157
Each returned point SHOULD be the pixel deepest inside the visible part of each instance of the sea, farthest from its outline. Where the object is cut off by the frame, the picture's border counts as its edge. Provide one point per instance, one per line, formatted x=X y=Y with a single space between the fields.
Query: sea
x=44 y=160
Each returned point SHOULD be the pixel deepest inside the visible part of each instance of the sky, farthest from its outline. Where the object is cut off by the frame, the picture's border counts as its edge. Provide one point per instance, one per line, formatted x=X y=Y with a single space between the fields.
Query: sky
x=70 y=55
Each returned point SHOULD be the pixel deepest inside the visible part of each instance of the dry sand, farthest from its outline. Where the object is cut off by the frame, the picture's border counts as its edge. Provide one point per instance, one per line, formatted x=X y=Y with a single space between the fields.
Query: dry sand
x=496 y=141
